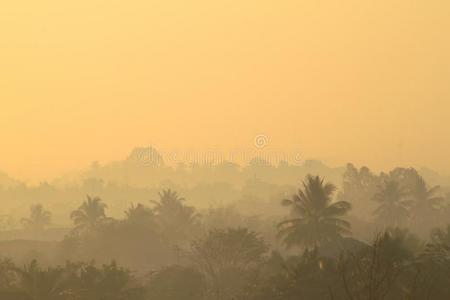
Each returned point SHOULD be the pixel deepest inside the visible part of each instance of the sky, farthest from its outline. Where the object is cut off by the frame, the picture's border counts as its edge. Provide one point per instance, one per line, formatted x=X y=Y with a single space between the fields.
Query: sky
x=88 y=80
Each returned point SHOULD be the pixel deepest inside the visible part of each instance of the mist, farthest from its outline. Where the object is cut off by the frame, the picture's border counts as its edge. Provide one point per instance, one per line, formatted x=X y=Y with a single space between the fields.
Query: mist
x=212 y=228
x=224 y=150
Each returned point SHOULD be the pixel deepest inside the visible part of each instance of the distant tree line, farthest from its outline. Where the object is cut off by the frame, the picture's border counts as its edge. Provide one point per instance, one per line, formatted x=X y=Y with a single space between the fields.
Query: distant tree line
x=179 y=253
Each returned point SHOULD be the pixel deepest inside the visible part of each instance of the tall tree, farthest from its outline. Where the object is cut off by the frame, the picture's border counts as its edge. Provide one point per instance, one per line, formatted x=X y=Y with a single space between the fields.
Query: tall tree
x=315 y=219
x=425 y=209
x=89 y=214
x=229 y=260
x=373 y=272
x=176 y=220
x=139 y=214
x=394 y=204
x=358 y=188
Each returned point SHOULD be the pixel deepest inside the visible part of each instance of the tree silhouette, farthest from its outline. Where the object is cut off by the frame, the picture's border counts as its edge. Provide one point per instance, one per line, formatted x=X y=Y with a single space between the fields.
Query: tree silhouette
x=229 y=259
x=41 y=284
x=315 y=218
x=425 y=207
x=176 y=282
x=373 y=272
x=358 y=188
x=176 y=220
x=76 y=281
x=139 y=214
x=89 y=214
x=394 y=204
x=38 y=220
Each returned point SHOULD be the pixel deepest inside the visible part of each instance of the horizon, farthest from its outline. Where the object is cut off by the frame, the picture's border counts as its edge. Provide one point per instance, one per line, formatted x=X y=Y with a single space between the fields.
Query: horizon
x=189 y=158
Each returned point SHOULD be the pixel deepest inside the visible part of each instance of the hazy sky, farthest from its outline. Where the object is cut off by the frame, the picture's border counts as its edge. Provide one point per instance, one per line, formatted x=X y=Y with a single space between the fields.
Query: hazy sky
x=362 y=81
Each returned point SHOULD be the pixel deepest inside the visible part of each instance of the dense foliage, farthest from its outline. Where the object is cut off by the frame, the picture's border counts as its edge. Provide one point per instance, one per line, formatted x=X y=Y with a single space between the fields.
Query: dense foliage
x=166 y=249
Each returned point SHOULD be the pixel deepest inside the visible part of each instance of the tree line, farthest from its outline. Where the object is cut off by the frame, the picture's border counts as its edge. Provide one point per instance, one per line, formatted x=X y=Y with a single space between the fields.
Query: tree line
x=195 y=256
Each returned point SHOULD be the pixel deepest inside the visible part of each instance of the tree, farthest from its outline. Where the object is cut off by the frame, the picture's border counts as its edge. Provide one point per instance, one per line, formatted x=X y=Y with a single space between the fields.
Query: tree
x=108 y=282
x=308 y=276
x=229 y=260
x=394 y=204
x=89 y=214
x=176 y=282
x=425 y=206
x=139 y=214
x=177 y=221
x=315 y=219
x=41 y=284
x=76 y=281
x=358 y=188
x=39 y=218
x=373 y=273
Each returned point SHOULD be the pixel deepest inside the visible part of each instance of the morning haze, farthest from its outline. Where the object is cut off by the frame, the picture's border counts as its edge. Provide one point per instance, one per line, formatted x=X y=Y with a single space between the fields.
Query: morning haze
x=224 y=150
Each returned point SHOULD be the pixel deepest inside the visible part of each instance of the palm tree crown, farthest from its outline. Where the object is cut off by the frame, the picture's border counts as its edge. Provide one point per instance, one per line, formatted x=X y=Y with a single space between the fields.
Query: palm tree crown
x=394 y=203
x=139 y=214
x=173 y=216
x=315 y=218
x=90 y=213
x=425 y=198
x=171 y=209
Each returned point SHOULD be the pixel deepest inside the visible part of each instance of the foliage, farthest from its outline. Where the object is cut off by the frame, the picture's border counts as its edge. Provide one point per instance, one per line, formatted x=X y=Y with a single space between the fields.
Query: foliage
x=174 y=218
x=394 y=204
x=89 y=214
x=229 y=260
x=176 y=282
x=39 y=218
x=315 y=219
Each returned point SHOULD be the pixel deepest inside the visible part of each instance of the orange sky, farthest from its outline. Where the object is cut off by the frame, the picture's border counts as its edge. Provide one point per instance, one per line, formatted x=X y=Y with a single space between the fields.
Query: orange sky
x=361 y=81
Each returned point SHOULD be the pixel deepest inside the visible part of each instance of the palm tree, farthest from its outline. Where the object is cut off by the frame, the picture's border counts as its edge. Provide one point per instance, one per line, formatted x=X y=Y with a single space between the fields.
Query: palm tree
x=139 y=214
x=425 y=207
x=174 y=218
x=167 y=198
x=89 y=214
x=170 y=204
x=394 y=204
x=39 y=218
x=421 y=193
x=315 y=218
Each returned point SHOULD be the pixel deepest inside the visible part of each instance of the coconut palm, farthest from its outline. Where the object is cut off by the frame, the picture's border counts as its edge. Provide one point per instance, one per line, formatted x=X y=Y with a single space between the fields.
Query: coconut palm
x=167 y=198
x=425 y=208
x=39 y=218
x=175 y=219
x=89 y=214
x=315 y=219
x=171 y=206
x=139 y=214
x=426 y=197
x=394 y=204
